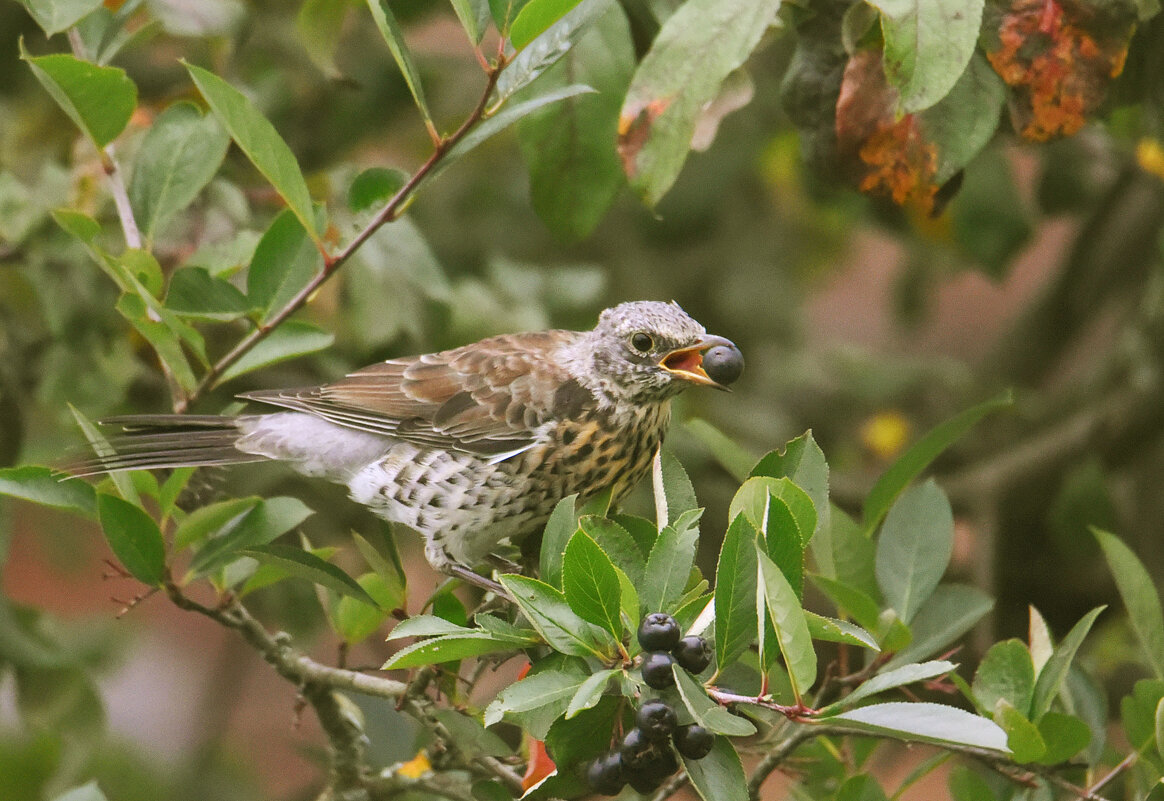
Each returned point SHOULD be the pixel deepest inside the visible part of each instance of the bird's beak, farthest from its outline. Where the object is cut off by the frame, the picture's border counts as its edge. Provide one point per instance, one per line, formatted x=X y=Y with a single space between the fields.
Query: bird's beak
x=687 y=363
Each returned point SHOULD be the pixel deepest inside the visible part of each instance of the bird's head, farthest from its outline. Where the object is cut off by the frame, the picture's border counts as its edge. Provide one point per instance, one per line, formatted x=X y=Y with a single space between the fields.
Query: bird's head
x=650 y=351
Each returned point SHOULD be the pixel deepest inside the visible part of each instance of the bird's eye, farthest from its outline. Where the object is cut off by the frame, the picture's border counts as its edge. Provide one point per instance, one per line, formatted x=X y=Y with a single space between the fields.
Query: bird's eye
x=642 y=342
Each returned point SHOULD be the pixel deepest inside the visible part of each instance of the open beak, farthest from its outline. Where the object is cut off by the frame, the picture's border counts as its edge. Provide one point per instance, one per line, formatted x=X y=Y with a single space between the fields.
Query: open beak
x=687 y=363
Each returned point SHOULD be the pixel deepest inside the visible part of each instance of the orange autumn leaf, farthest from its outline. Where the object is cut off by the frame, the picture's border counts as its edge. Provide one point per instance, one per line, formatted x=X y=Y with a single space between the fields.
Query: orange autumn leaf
x=883 y=154
x=539 y=766
x=1058 y=57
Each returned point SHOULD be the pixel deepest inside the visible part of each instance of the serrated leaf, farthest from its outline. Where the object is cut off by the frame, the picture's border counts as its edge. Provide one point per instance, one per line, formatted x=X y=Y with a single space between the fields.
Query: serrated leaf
x=269 y=519
x=394 y=38
x=258 y=139
x=617 y=543
x=1054 y=673
x=540 y=54
x=920 y=455
x=842 y=631
x=890 y=679
x=548 y=693
x=559 y=528
x=99 y=100
x=927 y=46
x=547 y=609
x=706 y=712
x=924 y=722
x=850 y=601
x=285 y=261
x=672 y=487
x=590 y=692
x=179 y=155
x=668 y=568
x=450 y=648
x=719 y=776
x=426 y=626
x=1139 y=595
x=134 y=538
x=1064 y=737
x=306 y=565
x=787 y=617
x=803 y=462
x=354 y=621
x=591 y=585
x=54 y=16
x=474 y=16
x=735 y=592
x=914 y=548
x=45 y=486
x=290 y=340
x=207 y=519
x=951 y=611
x=1022 y=736
x=1005 y=672
x=670 y=88
x=194 y=292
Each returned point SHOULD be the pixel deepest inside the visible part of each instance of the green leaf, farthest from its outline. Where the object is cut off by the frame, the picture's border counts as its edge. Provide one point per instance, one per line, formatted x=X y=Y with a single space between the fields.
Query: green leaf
x=1064 y=737
x=890 y=679
x=833 y=630
x=44 y=486
x=207 y=519
x=427 y=626
x=668 y=568
x=559 y=529
x=963 y=122
x=783 y=543
x=394 y=37
x=506 y=117
x=850 y=601
x=306 y=565
x=574 y=178
x=259 y=140
x=590 y=691
x=290 y=340
x=1054 y=673
x=101 y=447
x=591 y=584
x=641 y=530
x=355 y=621
x=708 y=713
x=134 y=538
x=966 y=785
x=540 y=54
x=735 y=592
x=628 y=604
x=319 y=24
x=671 y=88
x=374 y=187
x=179 y=155
x=194 y=292
x=804 y=463
x=787 y=618
x=547 y=609
x=162 y=338
x=924 y=722
x=951 y=611
x=269 y=519
x=617 y=543
x=1139 y=595
x=387 y=567
x=284 y=262
x=1005 y=672
x=549 y=693
x=914 y=548
x=99 y=100
x=451 y=648
x=673 y=488
x=535 y=18
x=54 y=16
x=1022 y=736
x=474 y=16
x=719 y=776
x=730 y=454
x=927 y=46
x=920 y=455
x=753 y=500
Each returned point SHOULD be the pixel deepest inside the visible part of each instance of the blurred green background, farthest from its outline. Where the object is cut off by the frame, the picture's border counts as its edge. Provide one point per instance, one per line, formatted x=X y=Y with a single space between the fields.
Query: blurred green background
x=862 y=322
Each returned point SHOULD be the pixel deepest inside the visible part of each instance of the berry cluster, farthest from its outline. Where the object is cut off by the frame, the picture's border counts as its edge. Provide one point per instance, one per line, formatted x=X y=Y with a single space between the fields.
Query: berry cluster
x=645 y=758
x=659 y=637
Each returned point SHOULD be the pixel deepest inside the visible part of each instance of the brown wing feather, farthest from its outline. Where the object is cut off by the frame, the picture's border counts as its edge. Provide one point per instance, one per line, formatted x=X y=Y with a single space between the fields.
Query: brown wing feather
x=486 y=398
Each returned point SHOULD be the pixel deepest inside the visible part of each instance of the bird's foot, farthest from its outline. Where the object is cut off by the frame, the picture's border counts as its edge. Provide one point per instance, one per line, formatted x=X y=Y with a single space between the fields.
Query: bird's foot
x=477 y=580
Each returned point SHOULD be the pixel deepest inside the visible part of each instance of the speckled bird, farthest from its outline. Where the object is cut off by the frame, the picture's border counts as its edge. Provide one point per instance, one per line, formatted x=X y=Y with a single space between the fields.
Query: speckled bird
x=472 y=445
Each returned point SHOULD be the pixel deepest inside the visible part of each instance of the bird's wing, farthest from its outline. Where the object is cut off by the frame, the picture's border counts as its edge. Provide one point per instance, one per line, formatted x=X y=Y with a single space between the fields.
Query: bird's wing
x=486 y=399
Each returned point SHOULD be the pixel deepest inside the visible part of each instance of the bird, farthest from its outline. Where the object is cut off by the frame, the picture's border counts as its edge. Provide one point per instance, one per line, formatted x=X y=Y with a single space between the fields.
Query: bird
x=469 y=446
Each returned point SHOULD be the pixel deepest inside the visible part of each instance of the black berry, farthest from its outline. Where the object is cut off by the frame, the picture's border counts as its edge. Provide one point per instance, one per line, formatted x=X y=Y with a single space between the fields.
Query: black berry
x=657 y=670
x=636 y=750
x=644 y=783
x=693 y=741
x=656 y=719
x=723 y=364
x=605 y=774
x=658 y=632
x=693 y=654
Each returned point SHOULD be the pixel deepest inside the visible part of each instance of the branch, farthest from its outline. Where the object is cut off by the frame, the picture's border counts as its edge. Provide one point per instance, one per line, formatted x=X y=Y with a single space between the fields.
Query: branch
x=774 y=758
x=391 y=211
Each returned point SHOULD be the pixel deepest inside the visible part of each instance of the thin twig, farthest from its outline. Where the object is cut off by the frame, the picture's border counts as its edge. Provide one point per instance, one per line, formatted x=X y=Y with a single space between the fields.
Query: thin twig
x=391 y=211
x=773 y=759
x=672 y=786
x=1124 y=764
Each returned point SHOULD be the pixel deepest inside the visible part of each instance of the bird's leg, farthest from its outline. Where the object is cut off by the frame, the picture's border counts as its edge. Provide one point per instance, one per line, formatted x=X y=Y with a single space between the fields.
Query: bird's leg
x=501 y=563
x=476 y=579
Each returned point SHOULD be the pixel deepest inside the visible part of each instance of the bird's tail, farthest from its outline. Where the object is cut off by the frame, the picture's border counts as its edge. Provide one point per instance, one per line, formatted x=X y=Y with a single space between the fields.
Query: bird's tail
x=149 y=441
